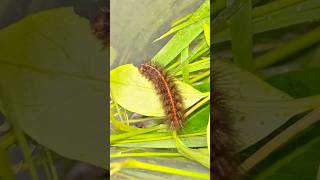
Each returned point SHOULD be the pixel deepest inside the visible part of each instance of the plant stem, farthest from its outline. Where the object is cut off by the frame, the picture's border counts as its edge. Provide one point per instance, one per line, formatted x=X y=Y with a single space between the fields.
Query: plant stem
x=132 y=163
x=117 y=108
x=160 y=138
x=51 y=164
x=191 y=154
x=199 y=77
x=144 y=119
x=144 y=154
x=11 y=114
x=195 y=107
x=46 y=170
x=114 y=138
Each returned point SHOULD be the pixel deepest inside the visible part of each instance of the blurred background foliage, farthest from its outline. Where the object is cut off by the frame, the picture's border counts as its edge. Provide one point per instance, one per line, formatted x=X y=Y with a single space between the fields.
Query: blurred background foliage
x=277 y=41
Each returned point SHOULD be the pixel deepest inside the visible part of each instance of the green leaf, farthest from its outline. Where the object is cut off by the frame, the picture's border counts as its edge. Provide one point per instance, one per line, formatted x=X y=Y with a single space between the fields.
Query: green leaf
x=298 y=84
x=196 y=66
x=204 y=85
x=194 y=154
x=241 y=29
x=306 y=11
x=273 y=6
x=252 y=98
x=122 y=136
x=298 y=44
x=202 y=12
x=206 y=29
x=135 y=93
x=185 y=64
x=55 y=70
x=298 y=159
x=179 y=42
x=192 y=142
x=198 y=121
x=180 y=163
x=179 y=21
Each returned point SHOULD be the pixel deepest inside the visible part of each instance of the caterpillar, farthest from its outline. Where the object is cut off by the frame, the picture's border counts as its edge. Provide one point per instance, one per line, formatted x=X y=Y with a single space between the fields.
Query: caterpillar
x=167 y=90
x=223 y=165
x=100 y=25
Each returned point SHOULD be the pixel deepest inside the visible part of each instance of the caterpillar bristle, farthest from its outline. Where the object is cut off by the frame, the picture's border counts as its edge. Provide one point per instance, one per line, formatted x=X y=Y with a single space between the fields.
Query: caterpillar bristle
x=167 y=90
x=224 y=144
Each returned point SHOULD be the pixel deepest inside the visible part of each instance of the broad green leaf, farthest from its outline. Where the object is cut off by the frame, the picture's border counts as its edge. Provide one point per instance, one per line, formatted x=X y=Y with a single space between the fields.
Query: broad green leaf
x=55 y=70
x=252 y=98
x=135 y=93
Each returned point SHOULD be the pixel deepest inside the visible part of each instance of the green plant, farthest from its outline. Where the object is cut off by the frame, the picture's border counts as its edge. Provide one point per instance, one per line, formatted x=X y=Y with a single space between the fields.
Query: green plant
x=185 y=57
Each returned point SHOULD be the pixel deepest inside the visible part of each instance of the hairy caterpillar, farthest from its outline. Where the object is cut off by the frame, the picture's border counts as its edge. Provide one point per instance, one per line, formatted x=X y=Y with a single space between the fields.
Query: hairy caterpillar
x=100 y=25
x=223 y=165
x=167 y=90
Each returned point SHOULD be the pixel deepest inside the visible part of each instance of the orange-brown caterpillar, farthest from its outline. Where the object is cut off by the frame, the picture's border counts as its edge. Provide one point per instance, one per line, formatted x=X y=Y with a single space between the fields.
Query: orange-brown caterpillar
x=100 y=25
x=223 y=165
x=167 y=90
